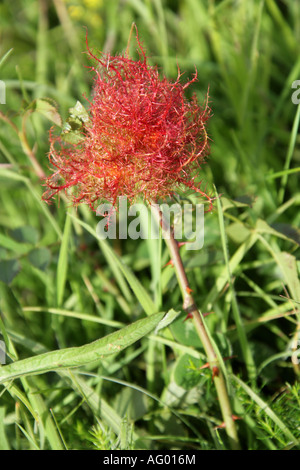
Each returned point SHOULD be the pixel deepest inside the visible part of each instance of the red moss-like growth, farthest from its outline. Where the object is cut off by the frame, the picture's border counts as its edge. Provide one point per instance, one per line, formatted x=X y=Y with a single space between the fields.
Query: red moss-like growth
x=143 y=139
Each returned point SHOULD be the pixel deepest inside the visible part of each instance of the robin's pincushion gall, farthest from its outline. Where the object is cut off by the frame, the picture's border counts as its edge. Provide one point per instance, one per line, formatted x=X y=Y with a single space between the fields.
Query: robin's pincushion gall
x=143 y=137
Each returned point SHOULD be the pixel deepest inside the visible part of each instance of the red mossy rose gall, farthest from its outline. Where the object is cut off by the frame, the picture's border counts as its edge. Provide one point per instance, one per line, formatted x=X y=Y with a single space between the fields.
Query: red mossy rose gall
x=144 y=138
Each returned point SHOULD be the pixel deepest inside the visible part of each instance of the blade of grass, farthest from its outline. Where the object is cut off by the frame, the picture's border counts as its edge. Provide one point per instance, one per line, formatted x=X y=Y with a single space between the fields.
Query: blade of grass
x=116 y=263
x=62 y=265
x=29 y=438
x=79 y=315
x=31 y=399
x=5 y=57
x=222 y=279
x=59 y=430
x=97 y=404
x=45 y=421
x=16 y=177
x=289 y=155
x=265 y=408
x=288 y=267
x=247 y=355
x=144 y=391
x=4 y=445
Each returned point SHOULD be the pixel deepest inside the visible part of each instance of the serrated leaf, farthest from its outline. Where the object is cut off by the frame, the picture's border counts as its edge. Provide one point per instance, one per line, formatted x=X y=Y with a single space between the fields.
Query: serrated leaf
x=79 y=112
x=72 y=124
x=48 y=108
x=72 y=137
x=73 y=128
x=72 y=131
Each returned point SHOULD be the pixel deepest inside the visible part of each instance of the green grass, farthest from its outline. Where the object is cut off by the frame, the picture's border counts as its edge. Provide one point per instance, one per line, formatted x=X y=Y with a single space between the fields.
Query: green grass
x=62 y=288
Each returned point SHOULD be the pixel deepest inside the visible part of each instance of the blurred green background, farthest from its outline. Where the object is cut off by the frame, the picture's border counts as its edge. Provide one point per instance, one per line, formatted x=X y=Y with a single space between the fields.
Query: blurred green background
x=247 y=53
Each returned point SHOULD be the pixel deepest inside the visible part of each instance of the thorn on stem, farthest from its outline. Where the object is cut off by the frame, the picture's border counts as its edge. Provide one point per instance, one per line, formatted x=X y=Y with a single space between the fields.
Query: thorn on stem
x=215 y=369
x=170 y=263
x=223 y=425
x=190 y=315
x=180 y=244
x=215 y=372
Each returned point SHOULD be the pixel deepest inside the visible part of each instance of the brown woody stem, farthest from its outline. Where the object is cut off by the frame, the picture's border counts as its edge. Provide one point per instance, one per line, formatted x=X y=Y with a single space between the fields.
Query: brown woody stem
x=192 y=310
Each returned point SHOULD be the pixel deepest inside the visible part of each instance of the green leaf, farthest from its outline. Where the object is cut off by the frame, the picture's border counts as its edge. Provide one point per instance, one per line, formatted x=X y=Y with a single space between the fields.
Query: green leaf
x=10 y=244
x=48 y=108
x=25 y=234
x=242 y=201
x=288 y=266
x=184 y=332
x=73 y=128
x=3 y=253
x=279 y=231
x=288 y=231
x=79 y=112
x=167 y=320
x=186 y=374
x=40 y=258
x=8 y=270
x=238 y=232
x=72 y=131
x=82 y=355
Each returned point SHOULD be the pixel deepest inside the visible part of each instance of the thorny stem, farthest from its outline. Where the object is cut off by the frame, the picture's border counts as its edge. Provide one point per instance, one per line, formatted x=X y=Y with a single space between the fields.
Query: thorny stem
x=190 y=306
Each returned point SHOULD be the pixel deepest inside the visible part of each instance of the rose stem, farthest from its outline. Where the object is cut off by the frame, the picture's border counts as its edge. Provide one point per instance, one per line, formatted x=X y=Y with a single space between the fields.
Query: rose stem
x=190 y=306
